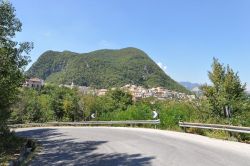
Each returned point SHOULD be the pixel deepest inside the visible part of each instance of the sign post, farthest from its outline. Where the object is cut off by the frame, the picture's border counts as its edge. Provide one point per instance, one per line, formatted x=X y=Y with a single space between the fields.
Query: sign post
x=155 y=115
x=93 y=116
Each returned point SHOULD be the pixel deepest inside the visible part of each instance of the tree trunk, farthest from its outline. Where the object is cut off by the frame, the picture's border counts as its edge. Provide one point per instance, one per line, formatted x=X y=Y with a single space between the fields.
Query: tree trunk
x=227 y=112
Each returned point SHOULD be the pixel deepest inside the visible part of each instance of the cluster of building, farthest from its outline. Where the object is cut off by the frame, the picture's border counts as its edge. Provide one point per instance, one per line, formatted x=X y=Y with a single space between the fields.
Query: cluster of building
x=138 y=92
x=87 y=90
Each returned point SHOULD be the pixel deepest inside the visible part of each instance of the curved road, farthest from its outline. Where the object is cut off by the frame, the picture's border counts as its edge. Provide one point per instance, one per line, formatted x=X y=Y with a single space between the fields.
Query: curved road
x=109 y=146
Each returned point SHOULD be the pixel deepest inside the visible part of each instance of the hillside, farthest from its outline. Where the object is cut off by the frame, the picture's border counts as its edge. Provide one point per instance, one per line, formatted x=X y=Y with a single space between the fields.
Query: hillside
x=102 y=69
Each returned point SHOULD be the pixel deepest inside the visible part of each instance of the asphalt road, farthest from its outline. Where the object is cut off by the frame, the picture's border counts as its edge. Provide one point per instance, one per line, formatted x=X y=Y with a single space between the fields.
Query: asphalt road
x=107 y=146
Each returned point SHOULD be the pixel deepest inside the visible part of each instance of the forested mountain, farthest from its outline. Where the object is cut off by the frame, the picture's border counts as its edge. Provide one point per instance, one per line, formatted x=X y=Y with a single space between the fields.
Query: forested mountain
x=102 y=69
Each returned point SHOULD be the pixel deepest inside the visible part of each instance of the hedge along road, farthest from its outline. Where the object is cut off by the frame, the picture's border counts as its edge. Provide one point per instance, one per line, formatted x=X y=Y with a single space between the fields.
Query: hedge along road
x=117 y=146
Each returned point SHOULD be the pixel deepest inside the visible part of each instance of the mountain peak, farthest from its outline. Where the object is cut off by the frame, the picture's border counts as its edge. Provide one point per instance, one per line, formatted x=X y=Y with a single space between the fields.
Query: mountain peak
x=102 y=69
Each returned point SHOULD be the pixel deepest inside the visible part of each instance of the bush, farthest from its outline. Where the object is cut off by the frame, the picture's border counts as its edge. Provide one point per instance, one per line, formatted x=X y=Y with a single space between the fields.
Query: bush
x=172 y=112
x=10 y=144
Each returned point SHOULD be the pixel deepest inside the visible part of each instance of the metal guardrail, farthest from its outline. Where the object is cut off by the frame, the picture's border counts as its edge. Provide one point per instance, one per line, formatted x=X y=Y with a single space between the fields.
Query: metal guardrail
x=238 y=129
x=85 y=123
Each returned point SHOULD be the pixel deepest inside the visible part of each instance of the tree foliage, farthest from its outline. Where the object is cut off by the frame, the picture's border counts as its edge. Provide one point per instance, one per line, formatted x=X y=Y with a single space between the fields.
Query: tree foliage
x=226 y=95
x=48 y=104
x=53 y=103
x=120 y=99
x=13 y=59
x=65 y=104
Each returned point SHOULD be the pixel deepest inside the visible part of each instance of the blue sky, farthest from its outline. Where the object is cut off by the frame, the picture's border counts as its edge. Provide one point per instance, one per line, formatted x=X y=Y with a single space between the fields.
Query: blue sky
x=183 y=36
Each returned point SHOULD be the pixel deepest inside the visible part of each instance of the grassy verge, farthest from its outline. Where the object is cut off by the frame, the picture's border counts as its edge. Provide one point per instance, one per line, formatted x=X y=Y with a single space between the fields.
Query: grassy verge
x=10 y=147
x=38 y=148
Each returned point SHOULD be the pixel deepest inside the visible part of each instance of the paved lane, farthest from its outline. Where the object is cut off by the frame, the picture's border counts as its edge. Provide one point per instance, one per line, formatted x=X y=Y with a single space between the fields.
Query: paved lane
x=107 y=146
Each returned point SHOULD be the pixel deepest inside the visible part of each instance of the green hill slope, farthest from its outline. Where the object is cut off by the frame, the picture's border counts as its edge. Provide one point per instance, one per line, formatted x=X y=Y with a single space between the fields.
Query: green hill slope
x=102 y=69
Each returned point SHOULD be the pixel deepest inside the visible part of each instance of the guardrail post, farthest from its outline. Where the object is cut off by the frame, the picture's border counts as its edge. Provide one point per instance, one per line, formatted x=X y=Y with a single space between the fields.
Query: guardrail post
x=183 y=127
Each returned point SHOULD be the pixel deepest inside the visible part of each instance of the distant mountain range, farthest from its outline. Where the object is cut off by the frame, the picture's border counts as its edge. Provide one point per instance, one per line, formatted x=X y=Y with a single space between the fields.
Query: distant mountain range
x=102 y=69
x=195 y=87
x=190 y=86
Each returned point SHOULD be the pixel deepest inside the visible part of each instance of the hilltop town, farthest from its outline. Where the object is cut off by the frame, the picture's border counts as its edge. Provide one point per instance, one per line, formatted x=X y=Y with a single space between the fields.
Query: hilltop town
x=138 y=92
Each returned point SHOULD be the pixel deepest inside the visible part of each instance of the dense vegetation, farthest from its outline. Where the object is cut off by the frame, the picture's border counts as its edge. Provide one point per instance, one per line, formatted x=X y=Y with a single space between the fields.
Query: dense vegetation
x=13 y=59
x=53 y=103
x=102 y=69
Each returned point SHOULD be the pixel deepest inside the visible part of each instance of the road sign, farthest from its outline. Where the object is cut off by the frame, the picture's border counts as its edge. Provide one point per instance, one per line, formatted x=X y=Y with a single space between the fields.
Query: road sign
x=93 y=116
x=155 y=114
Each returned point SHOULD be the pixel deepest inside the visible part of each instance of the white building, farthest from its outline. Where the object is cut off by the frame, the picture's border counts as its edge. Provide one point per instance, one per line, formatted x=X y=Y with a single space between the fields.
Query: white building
x=34 y=83
x=102 y=92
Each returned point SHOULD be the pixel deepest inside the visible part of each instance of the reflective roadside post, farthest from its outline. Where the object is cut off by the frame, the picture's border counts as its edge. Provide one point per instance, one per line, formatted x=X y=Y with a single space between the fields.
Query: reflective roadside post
x=93 y=116
x=155 y=114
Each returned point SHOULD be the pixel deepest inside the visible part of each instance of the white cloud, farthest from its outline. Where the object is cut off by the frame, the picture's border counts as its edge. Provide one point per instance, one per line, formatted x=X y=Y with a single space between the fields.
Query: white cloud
x=162 y=66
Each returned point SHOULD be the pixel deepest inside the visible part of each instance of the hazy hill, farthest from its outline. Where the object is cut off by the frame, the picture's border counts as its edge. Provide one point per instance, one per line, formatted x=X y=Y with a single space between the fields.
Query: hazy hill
x=189 y=85
x=102 y=69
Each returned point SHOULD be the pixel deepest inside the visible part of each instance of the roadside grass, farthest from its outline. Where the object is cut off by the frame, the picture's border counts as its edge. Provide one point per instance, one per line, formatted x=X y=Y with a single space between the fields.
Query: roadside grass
x=32 y=155
x=219 y=135
x=10 y=147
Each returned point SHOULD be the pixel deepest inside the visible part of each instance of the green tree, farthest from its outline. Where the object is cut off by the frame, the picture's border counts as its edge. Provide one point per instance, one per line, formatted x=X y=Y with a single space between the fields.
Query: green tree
x=88 y=104
x=121 y=100
x=71 y=106
x=33 y=108
x=13 y=59
x=226 y=95
x=28 y=108
x=19 y=112
x=45 y=104
x=57 y=103
x=65 y=103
